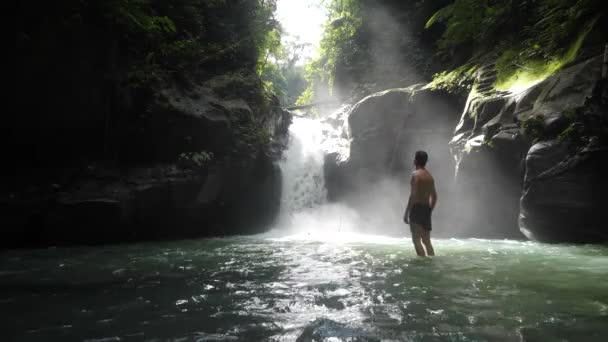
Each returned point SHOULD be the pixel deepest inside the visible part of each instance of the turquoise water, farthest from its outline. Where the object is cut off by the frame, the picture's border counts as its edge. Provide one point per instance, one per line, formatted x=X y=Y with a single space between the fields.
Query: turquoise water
x=343 y=287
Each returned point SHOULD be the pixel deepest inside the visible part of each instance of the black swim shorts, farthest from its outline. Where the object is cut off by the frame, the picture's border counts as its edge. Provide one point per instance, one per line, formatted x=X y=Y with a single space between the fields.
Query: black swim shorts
x=421 y=214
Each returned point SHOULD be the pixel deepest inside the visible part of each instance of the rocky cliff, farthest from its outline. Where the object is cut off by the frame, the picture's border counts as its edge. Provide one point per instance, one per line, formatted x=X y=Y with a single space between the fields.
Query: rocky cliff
x=166 y=190
x=525 y=161
x=140 y=120
x=533 y=141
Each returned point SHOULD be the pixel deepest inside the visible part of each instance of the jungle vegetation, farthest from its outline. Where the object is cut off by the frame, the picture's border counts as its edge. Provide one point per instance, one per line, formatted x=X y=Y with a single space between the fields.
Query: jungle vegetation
x=521 y=39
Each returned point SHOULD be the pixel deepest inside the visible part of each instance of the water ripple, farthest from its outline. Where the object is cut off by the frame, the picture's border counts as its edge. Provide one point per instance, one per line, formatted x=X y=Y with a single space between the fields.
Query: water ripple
x=283 y=289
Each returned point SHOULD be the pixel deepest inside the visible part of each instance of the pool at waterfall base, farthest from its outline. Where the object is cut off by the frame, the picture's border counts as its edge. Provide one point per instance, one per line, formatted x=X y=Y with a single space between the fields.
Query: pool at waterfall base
x=311 y=286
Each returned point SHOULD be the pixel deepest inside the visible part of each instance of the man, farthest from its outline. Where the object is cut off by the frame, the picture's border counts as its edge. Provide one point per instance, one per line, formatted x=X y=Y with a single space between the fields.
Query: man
x=420 y=205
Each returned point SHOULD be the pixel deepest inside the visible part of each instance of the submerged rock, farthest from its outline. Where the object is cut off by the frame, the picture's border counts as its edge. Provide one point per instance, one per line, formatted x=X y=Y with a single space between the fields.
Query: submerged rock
x=324 y=329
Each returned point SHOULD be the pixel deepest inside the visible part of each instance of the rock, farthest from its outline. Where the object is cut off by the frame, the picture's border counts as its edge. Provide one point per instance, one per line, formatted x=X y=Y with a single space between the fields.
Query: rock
x=145 y=195
x=178 y=122
x=486 y=192
x=565 y=196
x=147 y=203
x=542 y=156
x=490 y=145
x=386 y=129
x=324 y=329
x=76 y=221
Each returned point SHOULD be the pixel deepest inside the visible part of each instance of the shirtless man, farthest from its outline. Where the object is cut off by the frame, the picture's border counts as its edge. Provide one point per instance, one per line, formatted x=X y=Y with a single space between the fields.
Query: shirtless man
x=420 y=205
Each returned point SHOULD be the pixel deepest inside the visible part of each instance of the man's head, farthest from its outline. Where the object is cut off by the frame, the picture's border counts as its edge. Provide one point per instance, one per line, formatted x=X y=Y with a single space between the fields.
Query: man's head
x=420 y=158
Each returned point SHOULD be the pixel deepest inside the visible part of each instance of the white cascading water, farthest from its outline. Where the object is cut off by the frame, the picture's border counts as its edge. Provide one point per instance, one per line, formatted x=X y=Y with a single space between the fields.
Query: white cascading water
x=304 y=207
x=302 y=167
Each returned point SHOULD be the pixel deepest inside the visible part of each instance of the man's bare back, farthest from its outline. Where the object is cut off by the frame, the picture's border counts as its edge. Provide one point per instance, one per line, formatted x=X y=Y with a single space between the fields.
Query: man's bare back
x=422 y=201
x=423 y=188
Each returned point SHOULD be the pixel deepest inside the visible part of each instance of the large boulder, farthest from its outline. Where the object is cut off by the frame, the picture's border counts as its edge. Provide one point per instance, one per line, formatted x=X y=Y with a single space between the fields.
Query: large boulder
x=385 y=130
x=565 y=195
x=492 y=139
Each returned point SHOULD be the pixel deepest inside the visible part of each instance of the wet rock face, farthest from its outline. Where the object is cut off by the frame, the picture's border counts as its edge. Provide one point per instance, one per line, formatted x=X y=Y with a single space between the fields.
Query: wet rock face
x=148 y=192
x=146 y=203
x=385 y=130
x=565 y=196
x=491 y=144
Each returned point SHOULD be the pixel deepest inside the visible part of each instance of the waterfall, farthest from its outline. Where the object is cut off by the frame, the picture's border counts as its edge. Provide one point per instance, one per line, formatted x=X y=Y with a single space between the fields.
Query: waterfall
x=302 y=167
x=304 y=196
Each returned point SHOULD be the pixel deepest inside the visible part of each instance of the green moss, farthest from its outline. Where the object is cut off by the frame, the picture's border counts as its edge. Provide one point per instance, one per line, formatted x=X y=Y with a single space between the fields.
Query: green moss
x=451 y=80
x=571 y=114
x=488 y=143
x=570 y=133
x=534 y=127
x=515 y=72
x=194 y=160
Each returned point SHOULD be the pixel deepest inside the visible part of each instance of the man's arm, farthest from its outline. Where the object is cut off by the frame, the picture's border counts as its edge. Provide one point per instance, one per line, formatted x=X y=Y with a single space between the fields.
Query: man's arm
x=406 y=217
x=433 y=199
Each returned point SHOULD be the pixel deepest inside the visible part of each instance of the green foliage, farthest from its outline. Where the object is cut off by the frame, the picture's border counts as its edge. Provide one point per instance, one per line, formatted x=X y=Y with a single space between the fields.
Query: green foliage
x=179 y=39
x=144 y=74
x=282 y=75
x=306 y=97
x=155 y=24
x=266 y=33
x=488 y=143
x=273 y=80
x=277 y=61
x=295 y=82
x=528 y=40
x=252 y=135
x=465 y=20
x=578 y=129
x=338 y=49
x=194 y=160
x=120 y=56
x=459 y=78
x=573 y=133
x=179 y=56
x=521 y=67
x=534 y=127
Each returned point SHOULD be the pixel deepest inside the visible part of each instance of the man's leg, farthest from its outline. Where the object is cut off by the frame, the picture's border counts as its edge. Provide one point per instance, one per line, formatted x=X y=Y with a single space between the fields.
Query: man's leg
x=426 y=240
x=417 y=238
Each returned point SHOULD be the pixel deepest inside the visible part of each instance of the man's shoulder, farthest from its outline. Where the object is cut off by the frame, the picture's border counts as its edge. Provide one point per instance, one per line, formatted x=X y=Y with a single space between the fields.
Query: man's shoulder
x=424 y=173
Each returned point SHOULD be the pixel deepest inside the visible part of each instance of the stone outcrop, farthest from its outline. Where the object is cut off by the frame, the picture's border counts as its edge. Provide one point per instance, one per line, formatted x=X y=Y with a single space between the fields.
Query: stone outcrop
x=385 y=130
x=156 y=188
x=565 y=194
x=491 y=146
x=109 y=204
x=531 y=161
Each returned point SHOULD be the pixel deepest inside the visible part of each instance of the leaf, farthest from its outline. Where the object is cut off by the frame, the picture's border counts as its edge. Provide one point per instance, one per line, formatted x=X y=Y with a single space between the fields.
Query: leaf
x=440 y=15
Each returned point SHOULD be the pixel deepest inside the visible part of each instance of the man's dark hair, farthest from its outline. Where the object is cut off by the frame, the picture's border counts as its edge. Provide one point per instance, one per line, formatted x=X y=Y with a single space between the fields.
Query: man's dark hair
x=421 y=158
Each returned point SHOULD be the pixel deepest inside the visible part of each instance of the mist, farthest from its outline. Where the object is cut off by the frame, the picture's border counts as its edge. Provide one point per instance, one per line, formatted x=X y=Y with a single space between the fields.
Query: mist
x=379 y=153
